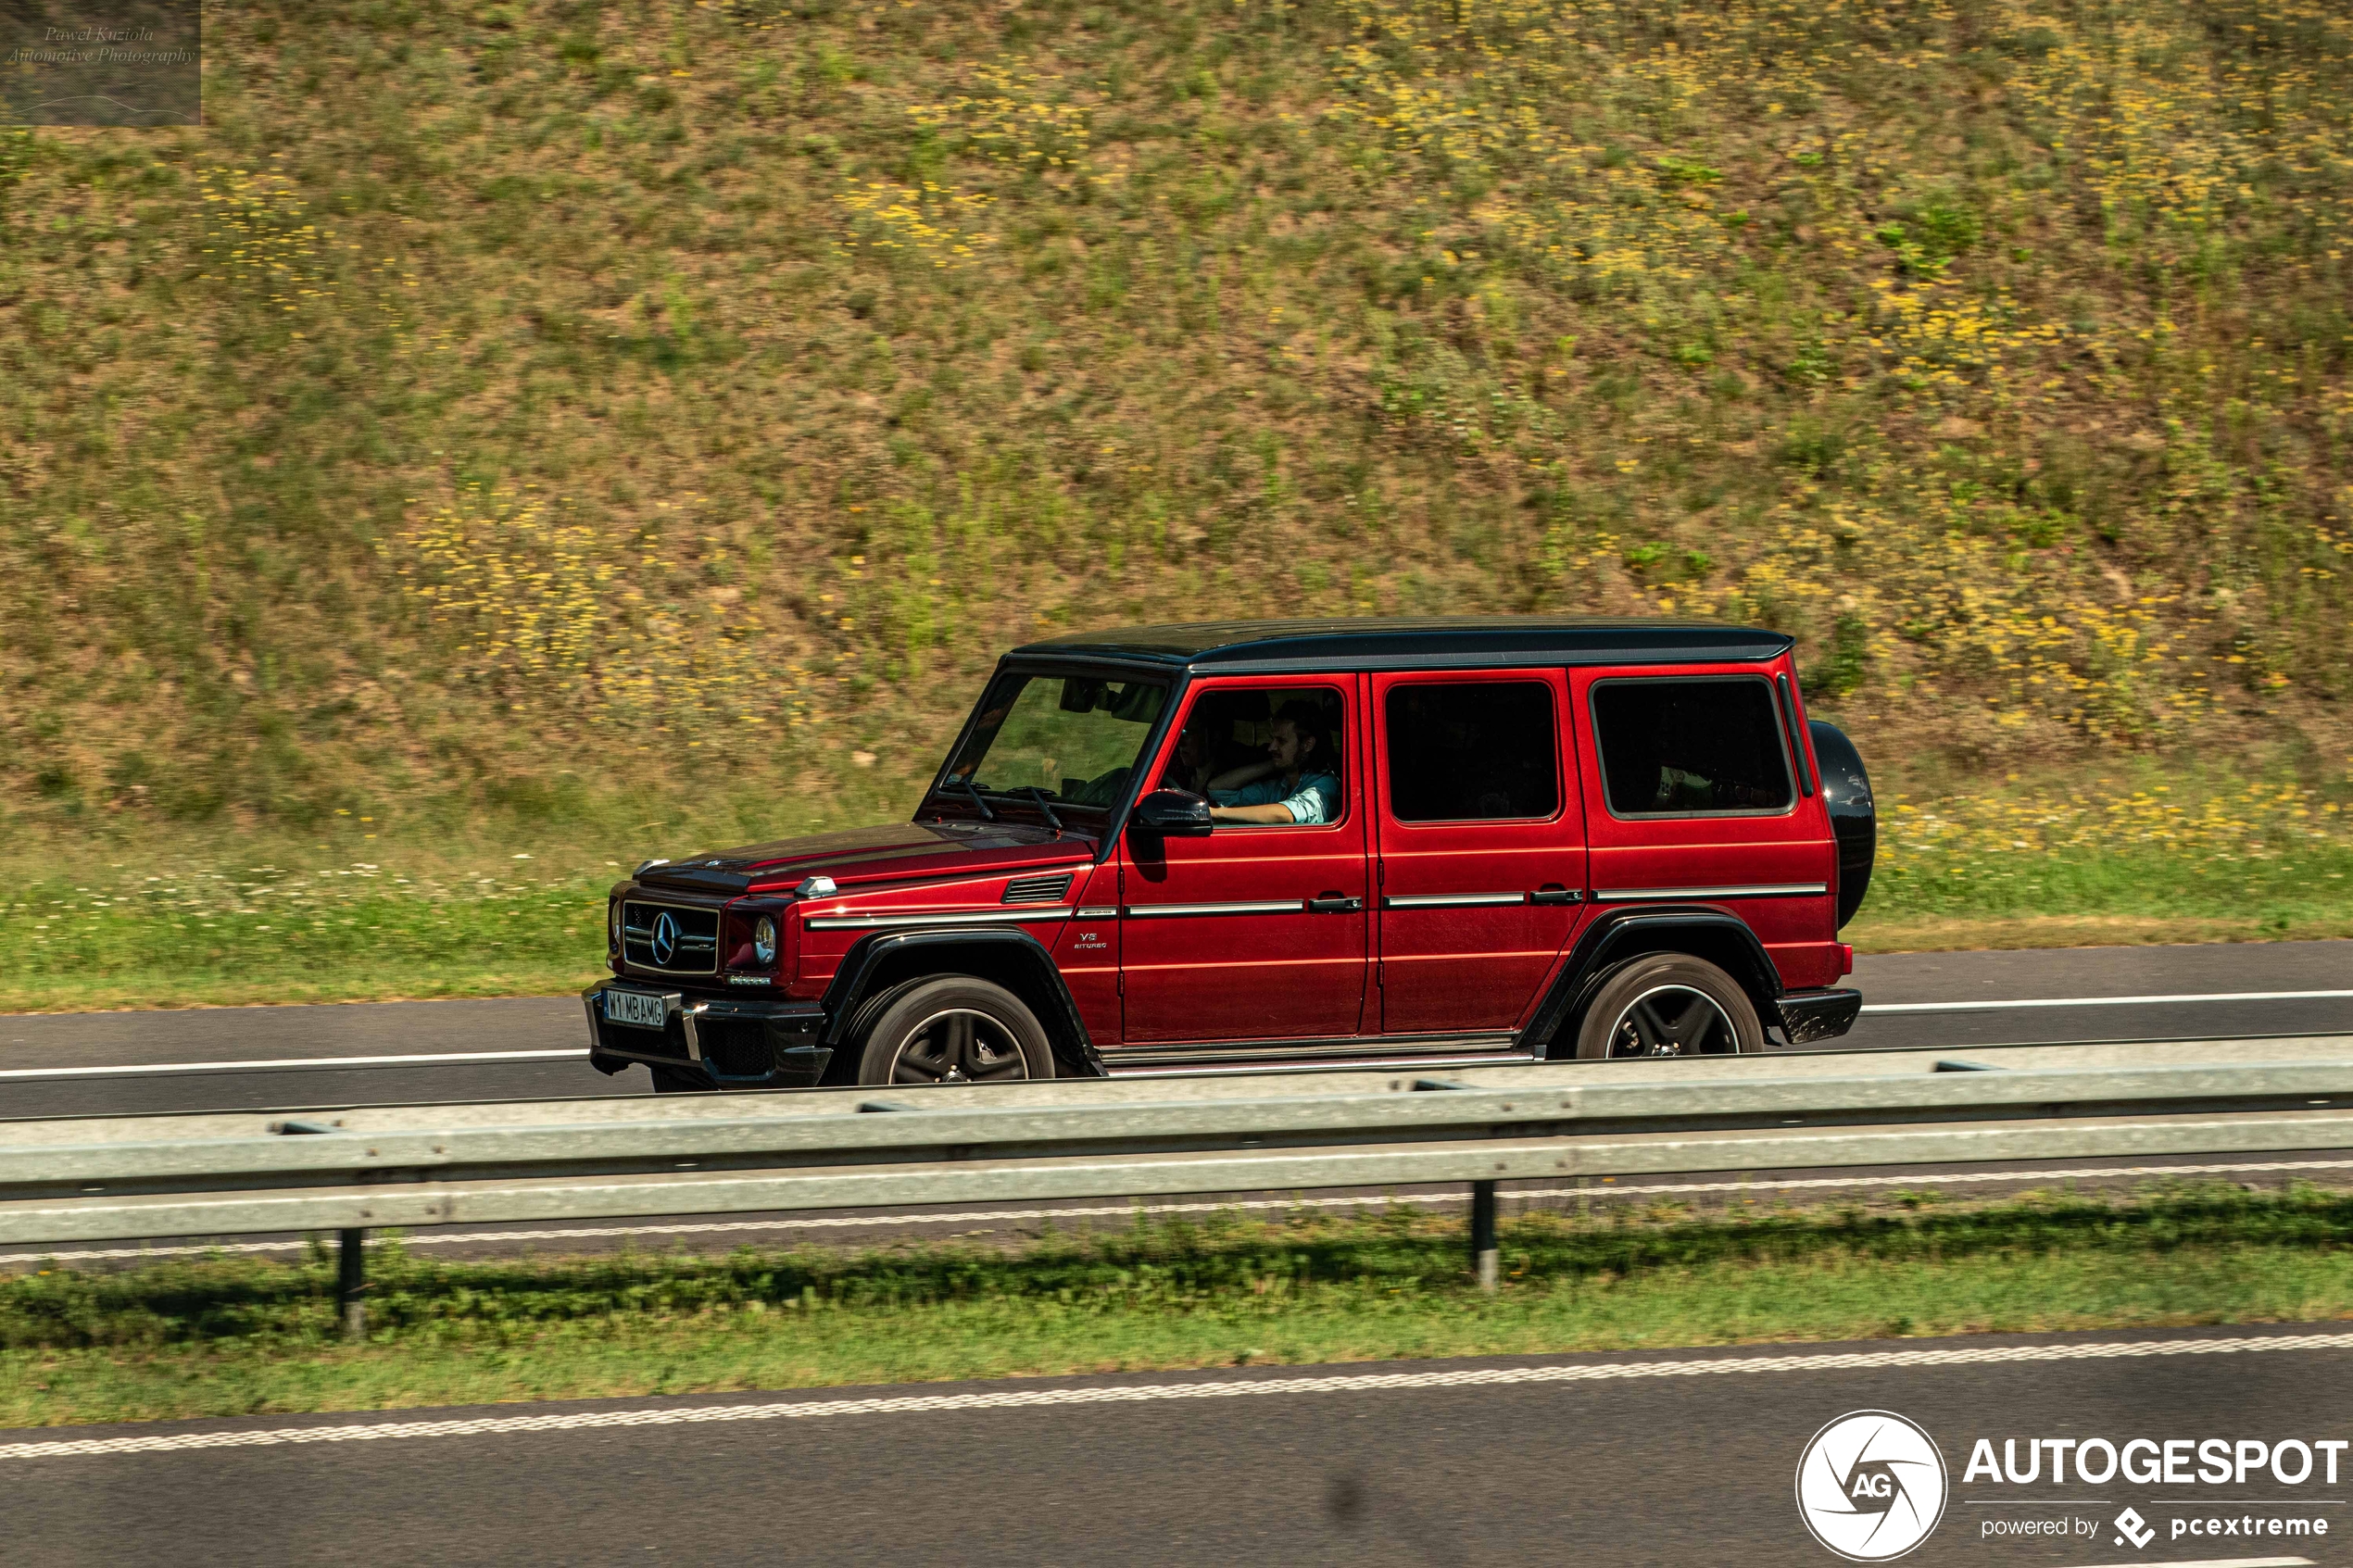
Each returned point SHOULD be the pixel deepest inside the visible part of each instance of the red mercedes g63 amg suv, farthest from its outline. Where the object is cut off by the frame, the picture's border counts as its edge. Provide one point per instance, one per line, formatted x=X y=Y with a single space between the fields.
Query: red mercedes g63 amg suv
x=1187 y=848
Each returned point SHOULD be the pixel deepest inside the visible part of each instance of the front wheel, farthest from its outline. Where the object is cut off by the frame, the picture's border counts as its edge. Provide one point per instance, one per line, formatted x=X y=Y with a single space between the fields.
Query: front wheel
x=955 y=1030
x=1669 y=1004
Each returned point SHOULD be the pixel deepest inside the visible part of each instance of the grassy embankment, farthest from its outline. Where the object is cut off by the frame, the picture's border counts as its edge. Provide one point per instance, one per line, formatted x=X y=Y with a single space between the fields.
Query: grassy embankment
x=629 y=405
x=225 y=1338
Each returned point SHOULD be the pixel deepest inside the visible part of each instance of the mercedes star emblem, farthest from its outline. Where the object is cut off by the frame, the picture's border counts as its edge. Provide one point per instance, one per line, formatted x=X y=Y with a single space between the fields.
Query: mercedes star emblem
x=665 y=943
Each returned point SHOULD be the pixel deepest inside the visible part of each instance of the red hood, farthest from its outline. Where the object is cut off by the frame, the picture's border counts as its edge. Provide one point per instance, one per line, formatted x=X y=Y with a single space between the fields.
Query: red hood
x=900 y=851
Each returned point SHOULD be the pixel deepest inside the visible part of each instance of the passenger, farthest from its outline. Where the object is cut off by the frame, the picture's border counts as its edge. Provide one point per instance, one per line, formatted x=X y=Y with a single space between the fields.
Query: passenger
x=1295 y=785
x=1189 y=772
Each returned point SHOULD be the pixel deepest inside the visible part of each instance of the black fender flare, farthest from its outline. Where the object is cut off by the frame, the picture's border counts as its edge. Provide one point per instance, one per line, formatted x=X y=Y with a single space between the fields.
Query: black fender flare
x=1710 y=933
x=1004 y=952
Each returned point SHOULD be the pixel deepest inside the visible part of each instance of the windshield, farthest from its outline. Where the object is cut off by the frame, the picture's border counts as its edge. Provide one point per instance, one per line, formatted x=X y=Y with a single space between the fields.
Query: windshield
x=1073 y=738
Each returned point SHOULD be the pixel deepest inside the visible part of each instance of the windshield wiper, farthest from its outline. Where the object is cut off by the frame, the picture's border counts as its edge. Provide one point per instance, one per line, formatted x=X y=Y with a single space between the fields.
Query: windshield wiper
x=1039 y=796
x=985 y=814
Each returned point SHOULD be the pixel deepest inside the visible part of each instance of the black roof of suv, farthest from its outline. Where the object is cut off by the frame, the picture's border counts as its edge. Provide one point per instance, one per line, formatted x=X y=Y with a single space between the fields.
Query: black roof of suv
x=1402 y=642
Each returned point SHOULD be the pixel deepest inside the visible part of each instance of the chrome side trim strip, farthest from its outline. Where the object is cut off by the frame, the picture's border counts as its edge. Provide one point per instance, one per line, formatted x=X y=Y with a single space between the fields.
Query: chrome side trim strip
x=1269 y=907
x=1450 y=900
x=1337 y=1064
x=1109 y=911
x=1758 y=890
x=1360 y=1048
x=977 y=917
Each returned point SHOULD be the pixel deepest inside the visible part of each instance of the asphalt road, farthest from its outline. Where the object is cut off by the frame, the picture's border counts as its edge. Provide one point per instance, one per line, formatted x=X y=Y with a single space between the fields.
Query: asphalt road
x=1977 y=982
x=1675 y=1458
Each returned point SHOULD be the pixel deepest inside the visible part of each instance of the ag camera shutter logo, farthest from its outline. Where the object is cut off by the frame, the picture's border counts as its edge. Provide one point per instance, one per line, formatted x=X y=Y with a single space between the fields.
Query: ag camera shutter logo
x=1871 y=1486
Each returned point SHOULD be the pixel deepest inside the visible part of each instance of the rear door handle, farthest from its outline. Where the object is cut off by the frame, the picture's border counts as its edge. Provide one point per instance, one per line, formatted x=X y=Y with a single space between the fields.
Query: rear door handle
x=1334 y=904
x=1552 y=893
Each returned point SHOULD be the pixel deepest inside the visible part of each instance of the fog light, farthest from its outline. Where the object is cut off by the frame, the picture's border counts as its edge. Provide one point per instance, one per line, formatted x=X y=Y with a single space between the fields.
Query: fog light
x=763 y=940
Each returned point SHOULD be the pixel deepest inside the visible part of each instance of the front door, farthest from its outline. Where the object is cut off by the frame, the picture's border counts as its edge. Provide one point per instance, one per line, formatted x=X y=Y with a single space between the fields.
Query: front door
x=1480 y=849
x=1258 y=931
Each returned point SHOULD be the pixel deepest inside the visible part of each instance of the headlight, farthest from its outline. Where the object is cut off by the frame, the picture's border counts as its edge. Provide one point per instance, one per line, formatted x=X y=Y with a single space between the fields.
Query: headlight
x=613 y=919
x=763 y=940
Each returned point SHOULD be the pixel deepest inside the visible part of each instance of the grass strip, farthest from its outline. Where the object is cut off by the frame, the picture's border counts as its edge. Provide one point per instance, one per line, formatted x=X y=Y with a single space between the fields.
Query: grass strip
x=268 y=935
x=236 y=1336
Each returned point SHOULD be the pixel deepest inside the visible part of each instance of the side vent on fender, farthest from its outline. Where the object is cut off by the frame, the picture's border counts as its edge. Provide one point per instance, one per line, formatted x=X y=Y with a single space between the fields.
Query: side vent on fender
x=1037 y=889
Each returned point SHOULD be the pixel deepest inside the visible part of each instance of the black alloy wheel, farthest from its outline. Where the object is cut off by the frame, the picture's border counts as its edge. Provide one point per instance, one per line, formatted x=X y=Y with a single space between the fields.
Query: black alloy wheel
x=954 y=1029
x=1669 y=1004
x=1672 y=1021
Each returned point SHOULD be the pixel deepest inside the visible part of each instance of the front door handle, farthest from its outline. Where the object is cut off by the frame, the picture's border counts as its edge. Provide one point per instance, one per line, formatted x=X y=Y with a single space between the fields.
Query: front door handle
x=1554 y=893
x=1334 y=904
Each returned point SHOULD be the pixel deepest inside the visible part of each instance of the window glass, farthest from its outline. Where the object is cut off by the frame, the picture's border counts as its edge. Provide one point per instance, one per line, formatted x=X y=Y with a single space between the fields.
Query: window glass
x=1472 y=751
x=1261 y=746
x=1073 y=738
x=1682 y=747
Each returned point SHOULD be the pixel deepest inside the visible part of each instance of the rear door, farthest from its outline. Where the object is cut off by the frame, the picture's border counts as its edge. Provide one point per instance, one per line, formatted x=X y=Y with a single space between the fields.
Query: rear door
x=1480 y=849
x=1690 y=797
x=1258 y=931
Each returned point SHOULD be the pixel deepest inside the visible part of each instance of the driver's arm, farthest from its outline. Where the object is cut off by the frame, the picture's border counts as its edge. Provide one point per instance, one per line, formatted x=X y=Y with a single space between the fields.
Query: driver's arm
x=1274 y=811
x=1248 y=772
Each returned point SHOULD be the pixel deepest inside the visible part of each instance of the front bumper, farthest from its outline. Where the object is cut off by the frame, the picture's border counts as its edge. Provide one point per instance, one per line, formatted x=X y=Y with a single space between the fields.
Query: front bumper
x=729 y=1042
x=1808 y=1016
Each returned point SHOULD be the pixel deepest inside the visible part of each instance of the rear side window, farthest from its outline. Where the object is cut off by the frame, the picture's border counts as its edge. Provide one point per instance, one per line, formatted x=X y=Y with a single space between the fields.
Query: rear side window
x=1689 y=748
x=1472 y=751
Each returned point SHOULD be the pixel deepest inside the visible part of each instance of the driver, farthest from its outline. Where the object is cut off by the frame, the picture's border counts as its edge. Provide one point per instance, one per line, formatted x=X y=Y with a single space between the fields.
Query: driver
x=1295 y=785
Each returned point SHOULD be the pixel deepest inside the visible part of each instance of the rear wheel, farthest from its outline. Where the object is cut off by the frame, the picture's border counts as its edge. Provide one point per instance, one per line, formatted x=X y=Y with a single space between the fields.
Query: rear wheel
x=954 y=1029
x=1669 y=1004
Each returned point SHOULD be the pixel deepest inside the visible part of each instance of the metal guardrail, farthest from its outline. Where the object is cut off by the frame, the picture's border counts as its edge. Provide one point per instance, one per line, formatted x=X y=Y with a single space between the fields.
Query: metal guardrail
x=229 y=1173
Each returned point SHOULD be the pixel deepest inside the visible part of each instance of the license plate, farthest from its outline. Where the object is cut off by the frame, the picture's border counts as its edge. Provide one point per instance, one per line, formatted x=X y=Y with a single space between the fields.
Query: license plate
x=636 y=1010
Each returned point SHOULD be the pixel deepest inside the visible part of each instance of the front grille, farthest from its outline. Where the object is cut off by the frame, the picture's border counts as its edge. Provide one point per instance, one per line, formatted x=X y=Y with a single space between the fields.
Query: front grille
x=1037 y=889
x=687 y=944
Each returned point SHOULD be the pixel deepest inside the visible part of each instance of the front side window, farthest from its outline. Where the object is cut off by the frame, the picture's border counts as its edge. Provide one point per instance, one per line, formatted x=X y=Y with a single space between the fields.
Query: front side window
x=1269 y=757
x=1073 y=739
x=1691 y=747
x=1468 y=751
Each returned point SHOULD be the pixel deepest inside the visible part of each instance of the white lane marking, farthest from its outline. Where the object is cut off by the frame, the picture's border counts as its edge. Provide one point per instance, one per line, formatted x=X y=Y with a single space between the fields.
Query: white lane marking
x=2222 y=1562
x=451 y=1058
x=850 y=1221
x=1156 y=1393
x=2106 y=1001
x=279 y=1064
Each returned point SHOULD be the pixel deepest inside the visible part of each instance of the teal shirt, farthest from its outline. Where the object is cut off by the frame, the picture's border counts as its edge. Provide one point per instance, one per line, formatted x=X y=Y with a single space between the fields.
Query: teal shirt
x=1315 y=800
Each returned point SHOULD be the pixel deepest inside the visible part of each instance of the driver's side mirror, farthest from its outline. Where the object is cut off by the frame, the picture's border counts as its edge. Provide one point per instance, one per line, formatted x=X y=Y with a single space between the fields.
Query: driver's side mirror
x=1172 y=813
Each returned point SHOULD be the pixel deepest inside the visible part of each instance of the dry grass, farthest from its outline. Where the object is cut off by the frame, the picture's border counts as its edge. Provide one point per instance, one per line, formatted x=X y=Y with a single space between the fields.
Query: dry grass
x=613 y=397
x=624 y=423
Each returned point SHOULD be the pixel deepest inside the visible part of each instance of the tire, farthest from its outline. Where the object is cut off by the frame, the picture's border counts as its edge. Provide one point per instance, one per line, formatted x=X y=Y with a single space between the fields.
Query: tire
x=953 y=1029
x=1669 y=1004
x=862 y=1022
x=678 y=1081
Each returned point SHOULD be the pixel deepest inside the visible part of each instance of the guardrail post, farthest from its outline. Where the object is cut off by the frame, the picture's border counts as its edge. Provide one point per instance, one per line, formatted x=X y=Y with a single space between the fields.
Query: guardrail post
x=351 y=1283
x=1483 y=1251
